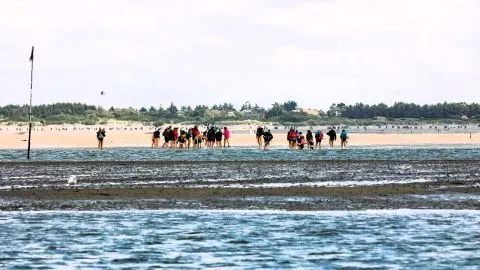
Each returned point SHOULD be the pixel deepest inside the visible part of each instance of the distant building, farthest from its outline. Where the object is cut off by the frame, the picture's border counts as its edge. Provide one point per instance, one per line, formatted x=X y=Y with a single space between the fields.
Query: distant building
x=251 y=114
x=311 y=111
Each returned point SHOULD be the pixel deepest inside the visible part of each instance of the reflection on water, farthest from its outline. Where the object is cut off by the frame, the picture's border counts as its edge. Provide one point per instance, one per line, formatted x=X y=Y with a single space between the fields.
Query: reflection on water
x=242 y=153
x=241 y=239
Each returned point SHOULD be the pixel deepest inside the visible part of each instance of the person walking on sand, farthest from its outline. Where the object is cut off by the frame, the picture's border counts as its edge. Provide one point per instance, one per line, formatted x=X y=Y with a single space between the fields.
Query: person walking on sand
x=259 y=135
x=309 y=138
x=332 y=137
x=182 y=139
x=100 y=136
x=166 y=136
x=343 y=139
x=189 y=138
x=210 y=137
x=291 y=138
x=196 y=136
x=300 y=141
x=174 y=137
x=155 y=138
x=226 y=136
x=218 y=137
x=267 y=138
x=318 y=139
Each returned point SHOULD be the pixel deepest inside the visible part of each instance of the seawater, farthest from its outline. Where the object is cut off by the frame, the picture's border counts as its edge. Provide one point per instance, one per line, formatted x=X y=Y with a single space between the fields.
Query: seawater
x=245 y=239
x=244 y=154
x=393 y=239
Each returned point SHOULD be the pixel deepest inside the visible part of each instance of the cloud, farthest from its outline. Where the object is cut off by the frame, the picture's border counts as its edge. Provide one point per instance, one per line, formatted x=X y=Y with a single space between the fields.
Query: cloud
x=316 y=52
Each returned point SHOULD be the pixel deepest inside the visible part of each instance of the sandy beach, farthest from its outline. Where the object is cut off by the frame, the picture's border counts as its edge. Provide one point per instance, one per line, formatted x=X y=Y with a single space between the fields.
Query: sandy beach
x=77 y=136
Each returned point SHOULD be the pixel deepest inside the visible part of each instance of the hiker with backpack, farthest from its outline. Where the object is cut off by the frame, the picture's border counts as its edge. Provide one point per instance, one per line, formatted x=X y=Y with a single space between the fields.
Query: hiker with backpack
x=100 y=136
x=332 y=136
x=267 y=138
x=155 y=138
x=309 y=138
x=318 y=139
x=343 y=139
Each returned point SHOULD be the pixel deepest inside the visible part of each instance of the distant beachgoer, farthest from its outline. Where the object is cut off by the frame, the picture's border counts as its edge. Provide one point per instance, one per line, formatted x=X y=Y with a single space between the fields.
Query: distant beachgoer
x=211 y=137
x=259 y=135
x=155 y=138
x=318 y=139
x=343 y=139
x=153 y=141
x=267 y=138
x=166 y=136
x=189 y=138
x=174 y=136
x=226 y=136
x=218 y=137
x=196 y=135
x=309 y=137
x=182 y=139
x=332 y=137
x=300 y=141
x=292 y=138
x=100 y=136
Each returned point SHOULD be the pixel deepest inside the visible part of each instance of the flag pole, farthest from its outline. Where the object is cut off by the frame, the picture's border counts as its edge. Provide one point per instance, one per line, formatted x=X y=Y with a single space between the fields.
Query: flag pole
x=30 y=107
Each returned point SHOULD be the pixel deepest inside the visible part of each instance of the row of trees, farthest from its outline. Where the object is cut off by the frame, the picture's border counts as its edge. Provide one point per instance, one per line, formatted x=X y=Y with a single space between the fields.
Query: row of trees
x=286 y=112
x=411 y=110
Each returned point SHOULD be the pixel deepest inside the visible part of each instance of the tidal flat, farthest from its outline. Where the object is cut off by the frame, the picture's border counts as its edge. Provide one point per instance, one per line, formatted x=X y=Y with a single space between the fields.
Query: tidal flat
x=257 y=184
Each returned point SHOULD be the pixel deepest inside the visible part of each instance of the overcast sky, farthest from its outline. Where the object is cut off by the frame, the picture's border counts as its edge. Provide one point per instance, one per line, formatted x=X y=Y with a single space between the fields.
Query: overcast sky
x=144 y=53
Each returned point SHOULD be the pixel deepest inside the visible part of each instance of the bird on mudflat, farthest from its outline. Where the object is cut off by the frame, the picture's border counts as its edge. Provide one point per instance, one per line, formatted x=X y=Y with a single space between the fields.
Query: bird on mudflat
x=72 y=180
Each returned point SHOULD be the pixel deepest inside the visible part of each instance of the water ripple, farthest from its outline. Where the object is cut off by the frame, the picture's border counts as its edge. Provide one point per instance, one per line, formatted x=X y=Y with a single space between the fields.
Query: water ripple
x=243 y=153
x=241 y=239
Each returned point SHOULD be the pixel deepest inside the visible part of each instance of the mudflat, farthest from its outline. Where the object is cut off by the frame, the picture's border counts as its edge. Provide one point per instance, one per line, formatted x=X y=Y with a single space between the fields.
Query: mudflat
x=286 y=185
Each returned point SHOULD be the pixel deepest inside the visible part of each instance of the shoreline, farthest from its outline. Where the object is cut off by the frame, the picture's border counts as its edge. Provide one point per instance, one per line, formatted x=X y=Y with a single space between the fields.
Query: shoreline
x=134 y=139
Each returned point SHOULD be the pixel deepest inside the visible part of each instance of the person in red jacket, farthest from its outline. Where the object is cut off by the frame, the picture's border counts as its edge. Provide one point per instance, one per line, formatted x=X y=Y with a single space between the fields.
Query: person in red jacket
x=292 y=138
x=300 y=141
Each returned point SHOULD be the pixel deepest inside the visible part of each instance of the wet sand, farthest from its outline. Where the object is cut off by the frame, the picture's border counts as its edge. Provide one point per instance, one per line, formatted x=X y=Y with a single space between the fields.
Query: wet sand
x=107 y=185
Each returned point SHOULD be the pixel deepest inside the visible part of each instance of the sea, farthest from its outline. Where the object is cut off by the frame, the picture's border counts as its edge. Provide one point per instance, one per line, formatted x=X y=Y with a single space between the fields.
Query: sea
x=394 y=152
x=240 y=238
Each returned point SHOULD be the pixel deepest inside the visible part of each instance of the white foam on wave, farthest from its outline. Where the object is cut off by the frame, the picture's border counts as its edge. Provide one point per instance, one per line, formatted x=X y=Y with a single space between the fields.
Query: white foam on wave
x=17 y=187
x=25 y=177
x=400 y=212
x=320 y=184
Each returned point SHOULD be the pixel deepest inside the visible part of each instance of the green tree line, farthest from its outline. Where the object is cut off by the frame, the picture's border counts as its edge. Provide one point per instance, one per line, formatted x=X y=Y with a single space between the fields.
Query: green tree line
x=410 y=110
x=284 y=113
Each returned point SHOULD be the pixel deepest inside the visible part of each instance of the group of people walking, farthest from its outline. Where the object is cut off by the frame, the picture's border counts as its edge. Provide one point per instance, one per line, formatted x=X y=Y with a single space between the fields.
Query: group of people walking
x=175 y=138
x=298 y=140
x=264 y=137
x=216 y=137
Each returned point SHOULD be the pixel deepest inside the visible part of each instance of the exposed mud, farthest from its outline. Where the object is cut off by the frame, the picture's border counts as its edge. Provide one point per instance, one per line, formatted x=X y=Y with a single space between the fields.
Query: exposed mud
x=289 y=185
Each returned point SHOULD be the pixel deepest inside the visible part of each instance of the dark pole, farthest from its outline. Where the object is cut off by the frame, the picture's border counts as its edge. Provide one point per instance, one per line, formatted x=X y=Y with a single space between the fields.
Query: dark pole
x=30 y=107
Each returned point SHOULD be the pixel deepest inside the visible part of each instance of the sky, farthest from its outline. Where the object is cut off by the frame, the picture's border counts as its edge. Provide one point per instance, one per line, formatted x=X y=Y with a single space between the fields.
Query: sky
x=151 y=53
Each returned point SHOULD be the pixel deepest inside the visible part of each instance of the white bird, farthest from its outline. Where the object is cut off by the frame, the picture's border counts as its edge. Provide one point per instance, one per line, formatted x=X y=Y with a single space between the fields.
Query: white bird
x=72 y=180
